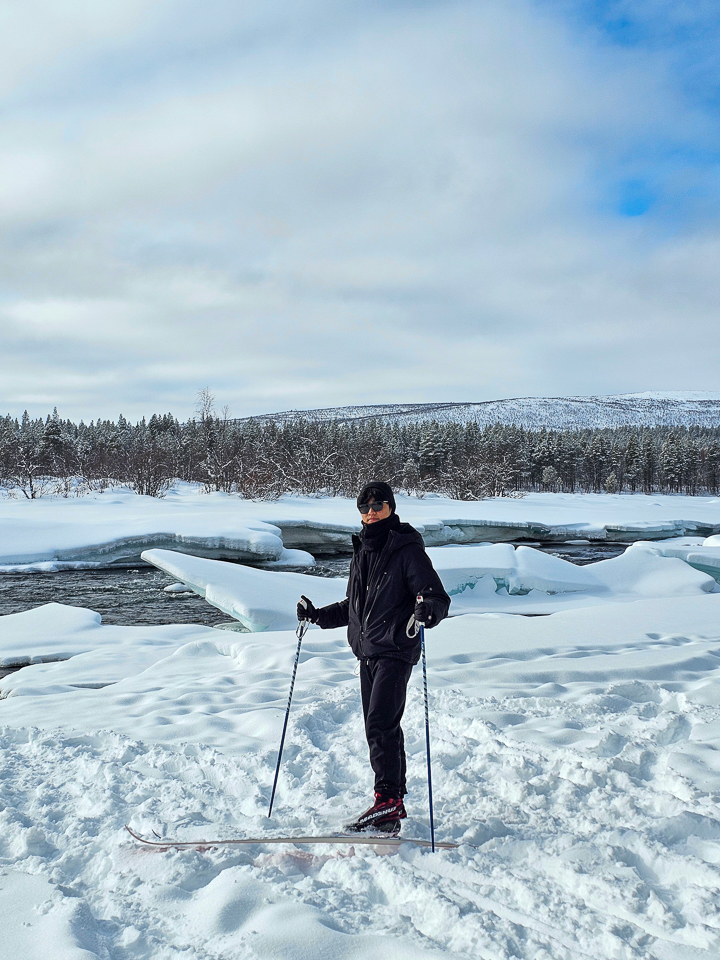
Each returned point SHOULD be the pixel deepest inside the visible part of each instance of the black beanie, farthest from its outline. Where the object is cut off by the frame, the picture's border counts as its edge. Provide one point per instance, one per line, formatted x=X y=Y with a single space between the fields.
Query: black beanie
x=379 y=489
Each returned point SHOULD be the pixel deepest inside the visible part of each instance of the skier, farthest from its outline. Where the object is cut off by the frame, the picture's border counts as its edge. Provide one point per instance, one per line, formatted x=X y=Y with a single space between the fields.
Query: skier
x=389 y=573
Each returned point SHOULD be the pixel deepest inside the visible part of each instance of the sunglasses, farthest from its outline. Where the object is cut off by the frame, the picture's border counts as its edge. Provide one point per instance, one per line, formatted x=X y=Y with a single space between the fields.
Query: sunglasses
x=376 y=506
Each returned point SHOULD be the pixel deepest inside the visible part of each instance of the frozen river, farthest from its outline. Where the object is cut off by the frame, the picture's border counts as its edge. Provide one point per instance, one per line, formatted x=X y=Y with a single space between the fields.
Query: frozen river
x=136 y=595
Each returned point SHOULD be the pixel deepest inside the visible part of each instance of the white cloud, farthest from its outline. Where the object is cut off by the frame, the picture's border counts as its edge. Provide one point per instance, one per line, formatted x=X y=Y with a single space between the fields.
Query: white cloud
x=38 y=37
x=315 y=207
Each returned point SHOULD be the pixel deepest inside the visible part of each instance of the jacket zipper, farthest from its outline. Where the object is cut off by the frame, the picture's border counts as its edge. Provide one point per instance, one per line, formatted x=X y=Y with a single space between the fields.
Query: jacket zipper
x=374 y=578
x=362 y=649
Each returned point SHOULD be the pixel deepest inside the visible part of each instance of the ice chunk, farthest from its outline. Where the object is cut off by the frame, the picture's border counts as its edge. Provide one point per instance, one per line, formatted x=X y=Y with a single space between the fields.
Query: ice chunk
x=115 y=527
x=702 y=554
x=478 y=578
x=290 y=558
x=535 y=570
x=260 y=599
x=53 y=631
x=518 y=570
x=642 y=571
x=67 y=647
x=462 y=567
x=708 y=561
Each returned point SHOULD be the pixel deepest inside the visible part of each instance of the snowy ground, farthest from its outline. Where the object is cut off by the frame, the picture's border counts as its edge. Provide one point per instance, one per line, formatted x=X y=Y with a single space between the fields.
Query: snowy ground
x=575 y=759
x=575 y=755
x=116 y=526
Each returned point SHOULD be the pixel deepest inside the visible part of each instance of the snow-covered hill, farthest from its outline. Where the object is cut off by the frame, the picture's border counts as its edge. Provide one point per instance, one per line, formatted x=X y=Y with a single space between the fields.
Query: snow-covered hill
x=652 y=409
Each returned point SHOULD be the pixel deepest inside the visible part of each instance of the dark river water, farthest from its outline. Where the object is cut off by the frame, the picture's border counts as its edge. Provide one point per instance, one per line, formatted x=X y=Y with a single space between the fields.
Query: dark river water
x=135 y=595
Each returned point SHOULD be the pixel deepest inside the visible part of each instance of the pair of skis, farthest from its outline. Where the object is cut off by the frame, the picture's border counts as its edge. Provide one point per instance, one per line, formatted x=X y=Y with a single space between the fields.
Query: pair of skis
x=356 y=838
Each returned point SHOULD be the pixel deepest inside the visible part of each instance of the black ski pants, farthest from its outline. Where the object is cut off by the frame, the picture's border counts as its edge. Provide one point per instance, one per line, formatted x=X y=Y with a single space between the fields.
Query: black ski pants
x=383 y=687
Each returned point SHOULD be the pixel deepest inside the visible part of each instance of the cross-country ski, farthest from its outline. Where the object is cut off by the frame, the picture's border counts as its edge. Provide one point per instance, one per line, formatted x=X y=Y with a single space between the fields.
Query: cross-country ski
x=366 y=839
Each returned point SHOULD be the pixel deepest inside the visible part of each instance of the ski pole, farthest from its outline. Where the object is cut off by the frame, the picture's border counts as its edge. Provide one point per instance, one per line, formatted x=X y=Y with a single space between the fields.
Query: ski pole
x=427 y=731
x=299 y=633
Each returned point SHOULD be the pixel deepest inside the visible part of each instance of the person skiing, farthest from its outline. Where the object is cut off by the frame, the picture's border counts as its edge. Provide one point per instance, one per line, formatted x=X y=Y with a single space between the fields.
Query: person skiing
x=391 y=581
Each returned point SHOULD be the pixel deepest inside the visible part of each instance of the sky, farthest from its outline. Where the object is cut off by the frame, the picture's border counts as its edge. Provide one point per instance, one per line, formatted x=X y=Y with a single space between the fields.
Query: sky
x=308 y=203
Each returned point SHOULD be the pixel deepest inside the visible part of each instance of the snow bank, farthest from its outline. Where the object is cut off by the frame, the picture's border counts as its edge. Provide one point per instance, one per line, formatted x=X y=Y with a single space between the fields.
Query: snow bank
x=91 y=655
x=115 y=527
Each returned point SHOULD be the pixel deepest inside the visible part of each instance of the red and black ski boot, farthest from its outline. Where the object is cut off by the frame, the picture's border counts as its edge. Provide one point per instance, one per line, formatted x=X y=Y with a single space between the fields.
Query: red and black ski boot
x=384 y=816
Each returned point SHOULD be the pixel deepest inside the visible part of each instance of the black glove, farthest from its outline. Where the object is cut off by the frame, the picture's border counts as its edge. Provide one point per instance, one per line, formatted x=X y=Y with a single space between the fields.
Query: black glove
x=423 y=613
x=306 y=610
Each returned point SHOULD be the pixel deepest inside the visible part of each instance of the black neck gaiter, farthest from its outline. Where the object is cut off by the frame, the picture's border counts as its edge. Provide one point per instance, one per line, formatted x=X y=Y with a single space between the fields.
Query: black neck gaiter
x=374 y=535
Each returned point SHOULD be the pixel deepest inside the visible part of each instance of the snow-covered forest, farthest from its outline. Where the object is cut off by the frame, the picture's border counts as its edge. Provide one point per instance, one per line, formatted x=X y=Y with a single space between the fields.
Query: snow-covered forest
x=265 y=459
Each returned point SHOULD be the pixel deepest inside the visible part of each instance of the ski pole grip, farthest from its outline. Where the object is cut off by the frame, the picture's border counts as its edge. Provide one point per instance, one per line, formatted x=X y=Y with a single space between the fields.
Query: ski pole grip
x=419 y=599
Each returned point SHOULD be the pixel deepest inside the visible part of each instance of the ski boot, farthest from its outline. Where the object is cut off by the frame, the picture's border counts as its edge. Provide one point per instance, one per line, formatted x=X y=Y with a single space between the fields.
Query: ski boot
x=383 y=816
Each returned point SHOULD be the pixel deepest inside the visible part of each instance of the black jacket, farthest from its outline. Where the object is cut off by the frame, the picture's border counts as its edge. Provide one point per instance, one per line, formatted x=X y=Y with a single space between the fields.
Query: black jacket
x=402 y=571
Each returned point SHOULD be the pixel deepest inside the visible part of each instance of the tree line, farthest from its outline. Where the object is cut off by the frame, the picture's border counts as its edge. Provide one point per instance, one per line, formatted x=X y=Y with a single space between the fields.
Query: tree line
x=261 y=459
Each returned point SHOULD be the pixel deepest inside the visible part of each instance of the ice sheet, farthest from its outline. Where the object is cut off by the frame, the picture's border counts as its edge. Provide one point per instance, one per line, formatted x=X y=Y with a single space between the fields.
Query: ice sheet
x=116 y=526
x=702 y=554
x=489 y=577
x=259 y=599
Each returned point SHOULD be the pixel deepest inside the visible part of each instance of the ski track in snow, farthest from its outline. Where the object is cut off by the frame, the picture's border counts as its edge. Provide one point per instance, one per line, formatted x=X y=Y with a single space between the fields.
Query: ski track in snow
x=589 y=842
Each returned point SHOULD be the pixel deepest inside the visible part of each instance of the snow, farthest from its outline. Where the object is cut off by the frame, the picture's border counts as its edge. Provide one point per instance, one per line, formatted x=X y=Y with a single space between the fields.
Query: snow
x=54 y=533
x=688 y=408
x=34 y=913
x=576 y=757
x=479 y=579
x=116 y=526
x=259 y=599
x=90 y=655
x=703 y=554
x=290 y=558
